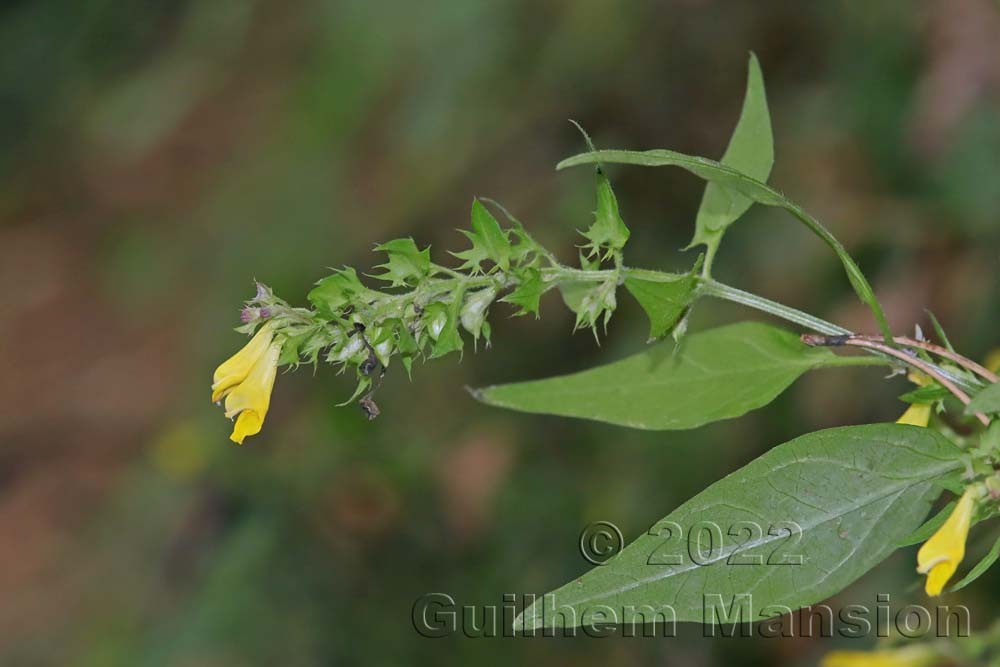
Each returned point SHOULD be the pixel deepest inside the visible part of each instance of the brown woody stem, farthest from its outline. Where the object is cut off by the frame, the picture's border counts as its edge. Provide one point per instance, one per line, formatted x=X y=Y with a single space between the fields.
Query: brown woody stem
x=964 y=362
x=910 y=360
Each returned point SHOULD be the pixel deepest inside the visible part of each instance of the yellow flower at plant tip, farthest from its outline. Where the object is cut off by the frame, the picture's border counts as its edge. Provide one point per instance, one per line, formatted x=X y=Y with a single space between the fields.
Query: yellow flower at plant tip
x=911 y=656
x=940 y=556
x=246 y=379
x=236 y=369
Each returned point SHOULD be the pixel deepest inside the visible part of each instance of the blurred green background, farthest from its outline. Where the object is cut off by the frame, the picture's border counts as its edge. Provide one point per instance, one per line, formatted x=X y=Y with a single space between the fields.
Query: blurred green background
x=157 y=157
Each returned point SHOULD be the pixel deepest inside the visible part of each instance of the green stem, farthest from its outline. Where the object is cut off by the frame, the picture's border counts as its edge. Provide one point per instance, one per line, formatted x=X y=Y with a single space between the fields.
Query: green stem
x=713 y=288
x=710 y=249
x=718 y=290
x=558 y=273
x=710 y=287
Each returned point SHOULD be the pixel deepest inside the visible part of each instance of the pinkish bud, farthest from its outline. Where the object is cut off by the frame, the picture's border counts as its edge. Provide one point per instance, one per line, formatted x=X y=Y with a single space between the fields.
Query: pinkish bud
x=265 y=313
x=248 y=315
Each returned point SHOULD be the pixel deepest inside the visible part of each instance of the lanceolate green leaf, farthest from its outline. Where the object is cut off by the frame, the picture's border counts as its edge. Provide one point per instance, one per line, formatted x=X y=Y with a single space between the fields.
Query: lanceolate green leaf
x=793 y=527
x=736 y=180
x=988 y=400
x=716 y=374
x=751 y=151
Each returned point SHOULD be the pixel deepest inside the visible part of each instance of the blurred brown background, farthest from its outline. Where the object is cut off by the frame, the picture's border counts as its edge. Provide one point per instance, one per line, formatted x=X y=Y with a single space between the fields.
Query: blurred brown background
x=157 y=157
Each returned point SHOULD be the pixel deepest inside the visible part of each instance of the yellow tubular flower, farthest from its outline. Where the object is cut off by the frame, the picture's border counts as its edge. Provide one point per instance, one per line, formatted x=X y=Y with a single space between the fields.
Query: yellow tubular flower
x=251 y=398
x=236 y=369
x=911 y=656
x=918 y=414
x=939 y=557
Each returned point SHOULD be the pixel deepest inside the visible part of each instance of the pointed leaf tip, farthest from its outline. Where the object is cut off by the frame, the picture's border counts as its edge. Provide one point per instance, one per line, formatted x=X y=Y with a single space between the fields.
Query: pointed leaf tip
x=750 y=150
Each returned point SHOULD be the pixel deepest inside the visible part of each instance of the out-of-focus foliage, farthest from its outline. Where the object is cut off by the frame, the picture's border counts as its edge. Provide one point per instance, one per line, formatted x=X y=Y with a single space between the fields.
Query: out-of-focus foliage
x=157 y=157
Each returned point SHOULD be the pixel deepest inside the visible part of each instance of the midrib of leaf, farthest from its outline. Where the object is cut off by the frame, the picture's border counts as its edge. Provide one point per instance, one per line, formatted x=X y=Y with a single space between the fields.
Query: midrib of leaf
x=713 y=375
x=896 y=490
x=707 y=376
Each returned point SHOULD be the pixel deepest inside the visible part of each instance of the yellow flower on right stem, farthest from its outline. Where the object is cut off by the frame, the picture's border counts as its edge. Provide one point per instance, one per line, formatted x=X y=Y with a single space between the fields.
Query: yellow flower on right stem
x=918 y=414
x=940 y=556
